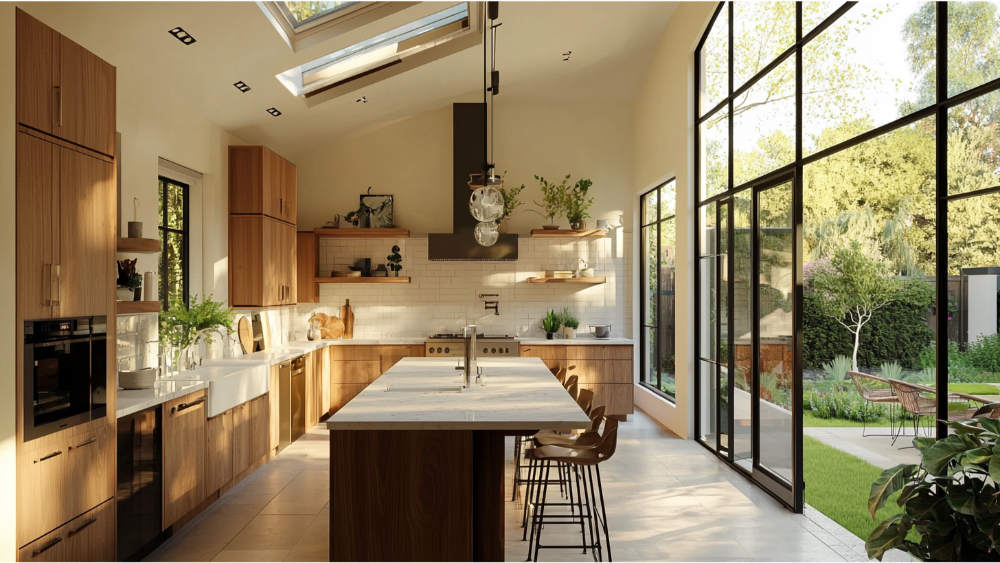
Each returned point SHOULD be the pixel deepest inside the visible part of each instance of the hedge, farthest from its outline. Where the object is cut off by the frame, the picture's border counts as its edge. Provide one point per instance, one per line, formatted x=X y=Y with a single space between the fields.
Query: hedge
x=897 y=332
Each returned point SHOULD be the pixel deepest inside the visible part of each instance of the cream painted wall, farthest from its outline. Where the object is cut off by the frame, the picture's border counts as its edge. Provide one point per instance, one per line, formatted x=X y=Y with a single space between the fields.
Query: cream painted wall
x=411 y=159
x=663 y=147
x=8 y=377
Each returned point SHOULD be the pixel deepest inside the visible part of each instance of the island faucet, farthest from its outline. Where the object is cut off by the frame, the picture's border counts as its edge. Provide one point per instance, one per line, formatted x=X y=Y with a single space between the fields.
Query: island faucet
x=470 y=365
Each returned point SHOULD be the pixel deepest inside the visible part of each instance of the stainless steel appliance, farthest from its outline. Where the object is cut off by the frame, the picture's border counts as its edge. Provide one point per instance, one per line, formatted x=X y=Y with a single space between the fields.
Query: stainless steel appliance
x=284 y=405
x=65 y=370
x=298 y=422
x=139 y=494
x=487 y=346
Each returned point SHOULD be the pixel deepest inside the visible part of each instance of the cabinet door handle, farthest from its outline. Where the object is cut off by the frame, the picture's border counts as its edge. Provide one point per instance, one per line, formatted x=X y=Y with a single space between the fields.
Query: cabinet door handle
x=59 y=105
x=57 y=281
x=50 y=456
x=82 y=526
x=47 y=546
x=185 y=406
x=87 y=443
x=48 y=299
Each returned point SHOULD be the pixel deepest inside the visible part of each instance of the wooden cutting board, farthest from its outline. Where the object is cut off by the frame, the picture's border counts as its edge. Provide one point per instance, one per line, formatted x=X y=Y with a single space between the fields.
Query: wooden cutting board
x=246 y=335
x=347 y=316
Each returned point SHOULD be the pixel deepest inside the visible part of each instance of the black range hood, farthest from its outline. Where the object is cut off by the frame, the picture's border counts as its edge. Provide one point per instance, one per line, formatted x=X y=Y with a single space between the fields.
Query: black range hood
x=468 y=148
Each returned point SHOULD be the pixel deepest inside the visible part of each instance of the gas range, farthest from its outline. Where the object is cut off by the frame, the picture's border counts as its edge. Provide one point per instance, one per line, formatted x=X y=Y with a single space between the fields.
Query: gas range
x=487 y=346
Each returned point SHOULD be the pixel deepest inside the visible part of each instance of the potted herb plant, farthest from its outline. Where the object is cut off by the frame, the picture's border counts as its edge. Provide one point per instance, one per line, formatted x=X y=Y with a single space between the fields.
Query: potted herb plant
x=134 y=283
x=950 y=499
x=551 y=324
x=510 y=205
x=358 y=218
x=553 y=200
x=577 y=204
x=181 y=326
x=570 y=324
x=395 y=260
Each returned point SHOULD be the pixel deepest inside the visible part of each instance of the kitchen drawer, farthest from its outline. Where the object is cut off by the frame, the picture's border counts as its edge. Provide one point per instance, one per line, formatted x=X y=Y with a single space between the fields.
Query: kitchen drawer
x=369 y=353
x=616 y=397
x=601 y=371
x=598 y=352
x=183 y=455
x=356 y=372
x=260 y=416
x=89 y=537
x=544 y=351
x=59 y=483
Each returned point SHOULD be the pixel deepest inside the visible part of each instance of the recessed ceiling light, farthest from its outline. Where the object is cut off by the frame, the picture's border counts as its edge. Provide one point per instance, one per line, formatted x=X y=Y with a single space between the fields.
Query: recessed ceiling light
x=242 y=86
x=182 y=36
x=566 y=55
x=273 y=112
x=363 y=99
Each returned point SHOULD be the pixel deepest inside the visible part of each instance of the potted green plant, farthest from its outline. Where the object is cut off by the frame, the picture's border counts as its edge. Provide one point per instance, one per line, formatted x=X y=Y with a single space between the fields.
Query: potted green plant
x=395 y=260
x=134 y=283
x=510 y=205
x=950 y=499
x=358 y=218
x=182 y=327
x=577 y=204
x=570 y=324
x=551 y=324
x=553 y=200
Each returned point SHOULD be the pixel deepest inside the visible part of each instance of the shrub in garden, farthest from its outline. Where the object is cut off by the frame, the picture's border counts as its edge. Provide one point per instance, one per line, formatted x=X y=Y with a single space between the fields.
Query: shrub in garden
x=842 y=405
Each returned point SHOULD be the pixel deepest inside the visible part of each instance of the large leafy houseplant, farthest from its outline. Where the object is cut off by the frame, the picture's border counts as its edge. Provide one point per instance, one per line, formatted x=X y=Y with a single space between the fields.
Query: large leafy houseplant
x=950 y=499
x=577 y=202
x=553 y=198
x=182 y=326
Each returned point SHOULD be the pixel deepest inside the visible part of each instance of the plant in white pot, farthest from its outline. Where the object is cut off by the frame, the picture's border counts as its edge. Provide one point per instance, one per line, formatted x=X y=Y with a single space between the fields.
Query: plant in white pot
x=577 y=204
x=570 y=324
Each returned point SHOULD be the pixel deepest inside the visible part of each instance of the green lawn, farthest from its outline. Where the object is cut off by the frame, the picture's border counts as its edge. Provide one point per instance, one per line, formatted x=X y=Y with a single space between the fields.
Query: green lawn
x=809 y=418
x=837 y=484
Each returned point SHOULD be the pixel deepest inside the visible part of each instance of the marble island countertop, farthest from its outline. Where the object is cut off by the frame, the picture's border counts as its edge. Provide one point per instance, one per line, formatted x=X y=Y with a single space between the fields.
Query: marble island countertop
x=133 y=401
x=520 y=394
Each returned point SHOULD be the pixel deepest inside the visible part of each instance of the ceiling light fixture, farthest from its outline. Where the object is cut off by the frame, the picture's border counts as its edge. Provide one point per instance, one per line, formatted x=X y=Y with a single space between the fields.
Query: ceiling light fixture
x=486 y=203
x=182 y=36
x=273 y=112
x=566 y=55
x=363 y=99
x=242 y=86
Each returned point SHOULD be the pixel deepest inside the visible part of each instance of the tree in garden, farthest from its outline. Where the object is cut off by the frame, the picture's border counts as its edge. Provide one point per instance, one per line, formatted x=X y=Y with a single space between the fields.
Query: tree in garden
x=853 y=286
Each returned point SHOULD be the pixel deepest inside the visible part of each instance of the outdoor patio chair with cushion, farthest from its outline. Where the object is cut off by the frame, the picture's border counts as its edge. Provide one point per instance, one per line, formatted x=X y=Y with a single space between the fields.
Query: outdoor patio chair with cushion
x=874 y=390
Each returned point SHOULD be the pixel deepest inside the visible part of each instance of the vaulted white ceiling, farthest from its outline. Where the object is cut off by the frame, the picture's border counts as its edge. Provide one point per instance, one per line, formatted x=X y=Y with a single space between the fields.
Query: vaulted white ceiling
x=611 y=44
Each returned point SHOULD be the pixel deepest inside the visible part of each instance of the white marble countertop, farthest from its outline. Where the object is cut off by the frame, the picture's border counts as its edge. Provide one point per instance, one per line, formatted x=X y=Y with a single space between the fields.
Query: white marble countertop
x=580 y=340
x=520 y=394
x=361 y=342
x=132 y=401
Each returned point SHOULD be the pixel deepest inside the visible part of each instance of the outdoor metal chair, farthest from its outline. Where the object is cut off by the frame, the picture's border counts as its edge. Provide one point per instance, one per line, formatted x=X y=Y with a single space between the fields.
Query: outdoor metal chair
x=867 y=386
x=921 y=401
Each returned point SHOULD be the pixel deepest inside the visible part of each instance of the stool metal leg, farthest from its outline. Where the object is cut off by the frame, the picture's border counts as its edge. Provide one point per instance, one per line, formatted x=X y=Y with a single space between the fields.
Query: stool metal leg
x=604 y=514
x=579 y=500
x=532 y=477
x=539 y=514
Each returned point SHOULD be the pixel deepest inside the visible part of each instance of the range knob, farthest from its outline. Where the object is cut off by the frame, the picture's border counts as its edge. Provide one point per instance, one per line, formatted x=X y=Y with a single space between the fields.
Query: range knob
x=430 y=350
x=494 y=351
x=485 y=350
x=506 y=350
x=439 y=350
x=446 y=350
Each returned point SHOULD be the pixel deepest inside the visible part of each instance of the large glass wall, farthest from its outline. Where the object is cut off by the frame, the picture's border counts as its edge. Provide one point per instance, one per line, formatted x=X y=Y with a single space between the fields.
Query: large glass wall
x=657 y=268
x=843 y=142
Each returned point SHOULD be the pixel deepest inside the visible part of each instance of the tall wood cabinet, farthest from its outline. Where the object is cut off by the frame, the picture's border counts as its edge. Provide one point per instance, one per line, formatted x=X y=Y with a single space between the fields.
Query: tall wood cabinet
x=262 y=237
x=65 y=209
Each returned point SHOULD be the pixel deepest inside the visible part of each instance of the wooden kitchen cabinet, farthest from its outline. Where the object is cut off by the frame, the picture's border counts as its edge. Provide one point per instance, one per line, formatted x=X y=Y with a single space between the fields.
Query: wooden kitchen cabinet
x=356 y=372
x=262 y=183
x=342 y=393
x=63 y=480
x=88 y=537
x=604 y=369
x=218 y=451
x=274 y=426
x=306 y=268
x=63 y=89
x=242 y=445
x=183 y=455
x=261 y=262
x=260 y=419
x=66 y=233
x=601 y=371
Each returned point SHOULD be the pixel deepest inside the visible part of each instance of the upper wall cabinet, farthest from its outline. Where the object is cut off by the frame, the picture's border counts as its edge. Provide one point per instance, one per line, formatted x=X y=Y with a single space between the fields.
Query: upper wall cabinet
x=63 y=89
x=261 y=183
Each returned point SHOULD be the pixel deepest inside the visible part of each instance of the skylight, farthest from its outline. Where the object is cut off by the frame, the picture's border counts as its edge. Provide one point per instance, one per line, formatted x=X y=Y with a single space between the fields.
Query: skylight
x=303 y=13
x=376 y=52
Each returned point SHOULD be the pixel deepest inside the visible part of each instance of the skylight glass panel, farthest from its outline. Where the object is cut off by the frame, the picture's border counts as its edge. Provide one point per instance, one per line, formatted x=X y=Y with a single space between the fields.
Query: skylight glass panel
x=376 y=51
x=302 y=13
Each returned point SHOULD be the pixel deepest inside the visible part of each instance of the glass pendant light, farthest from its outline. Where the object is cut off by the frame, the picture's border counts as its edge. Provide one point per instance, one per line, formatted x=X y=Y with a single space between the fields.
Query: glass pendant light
x=486 y=202
x=486 y=233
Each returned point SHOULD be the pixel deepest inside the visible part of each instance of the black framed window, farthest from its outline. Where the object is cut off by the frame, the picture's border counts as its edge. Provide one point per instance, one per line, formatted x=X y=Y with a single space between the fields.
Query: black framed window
x=174 y=240
x=657 y=269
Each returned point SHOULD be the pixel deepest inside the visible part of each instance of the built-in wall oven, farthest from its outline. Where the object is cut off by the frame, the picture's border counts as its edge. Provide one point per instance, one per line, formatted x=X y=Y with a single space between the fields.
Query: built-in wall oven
x=65 y=367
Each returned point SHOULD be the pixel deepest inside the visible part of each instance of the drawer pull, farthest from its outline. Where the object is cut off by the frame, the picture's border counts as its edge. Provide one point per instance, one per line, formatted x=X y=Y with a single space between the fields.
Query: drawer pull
x=48 y=545
x=82 y=526
x=87 y=443
x=185 y=406
x=50 y=456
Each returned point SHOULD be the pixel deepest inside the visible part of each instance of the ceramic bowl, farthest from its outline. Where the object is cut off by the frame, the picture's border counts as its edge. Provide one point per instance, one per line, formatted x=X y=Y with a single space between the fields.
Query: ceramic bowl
x=141 y=379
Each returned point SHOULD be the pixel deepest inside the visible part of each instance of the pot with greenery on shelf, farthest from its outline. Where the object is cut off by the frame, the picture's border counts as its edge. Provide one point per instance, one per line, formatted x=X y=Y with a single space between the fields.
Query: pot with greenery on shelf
x=570 y=324
x=395 y=260
x=510 y=205
x=551 y=324
x=553 y=200
x=358 y=218
x=134 y=283
x=577 y=204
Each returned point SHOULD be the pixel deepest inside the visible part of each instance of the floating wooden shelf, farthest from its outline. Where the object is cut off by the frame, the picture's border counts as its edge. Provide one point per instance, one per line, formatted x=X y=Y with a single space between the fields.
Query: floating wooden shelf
x=138 y=244
x=565 y=233
x=136 y=307
x=362 y=233
x=400 y=279
x=587 y=281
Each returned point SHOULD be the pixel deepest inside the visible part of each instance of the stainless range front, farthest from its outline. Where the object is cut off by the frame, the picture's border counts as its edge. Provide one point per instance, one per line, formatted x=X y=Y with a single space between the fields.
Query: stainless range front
x=487 y=346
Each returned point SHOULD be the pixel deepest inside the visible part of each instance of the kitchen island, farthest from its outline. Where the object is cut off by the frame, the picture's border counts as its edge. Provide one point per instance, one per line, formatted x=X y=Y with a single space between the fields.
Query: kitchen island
x=417 y=463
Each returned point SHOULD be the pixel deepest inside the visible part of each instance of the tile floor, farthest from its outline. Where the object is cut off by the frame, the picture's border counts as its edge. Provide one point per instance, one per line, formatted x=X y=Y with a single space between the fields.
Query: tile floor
x=668 y=499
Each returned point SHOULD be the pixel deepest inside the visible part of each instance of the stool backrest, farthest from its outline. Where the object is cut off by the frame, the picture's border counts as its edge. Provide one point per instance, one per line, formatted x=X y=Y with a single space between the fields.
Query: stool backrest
x=585 y=400
x=573 y=390
x=571 y=380
x=609 y=439
x=596 y=417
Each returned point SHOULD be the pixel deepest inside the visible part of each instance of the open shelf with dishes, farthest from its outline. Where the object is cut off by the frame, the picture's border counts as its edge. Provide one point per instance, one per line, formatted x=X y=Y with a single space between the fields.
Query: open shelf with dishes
x=149 y=245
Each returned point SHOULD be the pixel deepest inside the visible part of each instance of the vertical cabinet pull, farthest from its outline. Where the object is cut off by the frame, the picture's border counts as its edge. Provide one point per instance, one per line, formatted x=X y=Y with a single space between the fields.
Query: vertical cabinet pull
x=47 y=290
x=57 y=283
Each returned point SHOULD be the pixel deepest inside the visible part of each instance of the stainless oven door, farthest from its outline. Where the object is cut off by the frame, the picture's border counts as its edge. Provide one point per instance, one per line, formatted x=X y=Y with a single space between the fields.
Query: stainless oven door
x=57 y=391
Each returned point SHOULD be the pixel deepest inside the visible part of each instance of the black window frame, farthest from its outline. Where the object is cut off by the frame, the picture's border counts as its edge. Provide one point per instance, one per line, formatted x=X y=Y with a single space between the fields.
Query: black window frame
x=644 y=369
x=184 y=231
